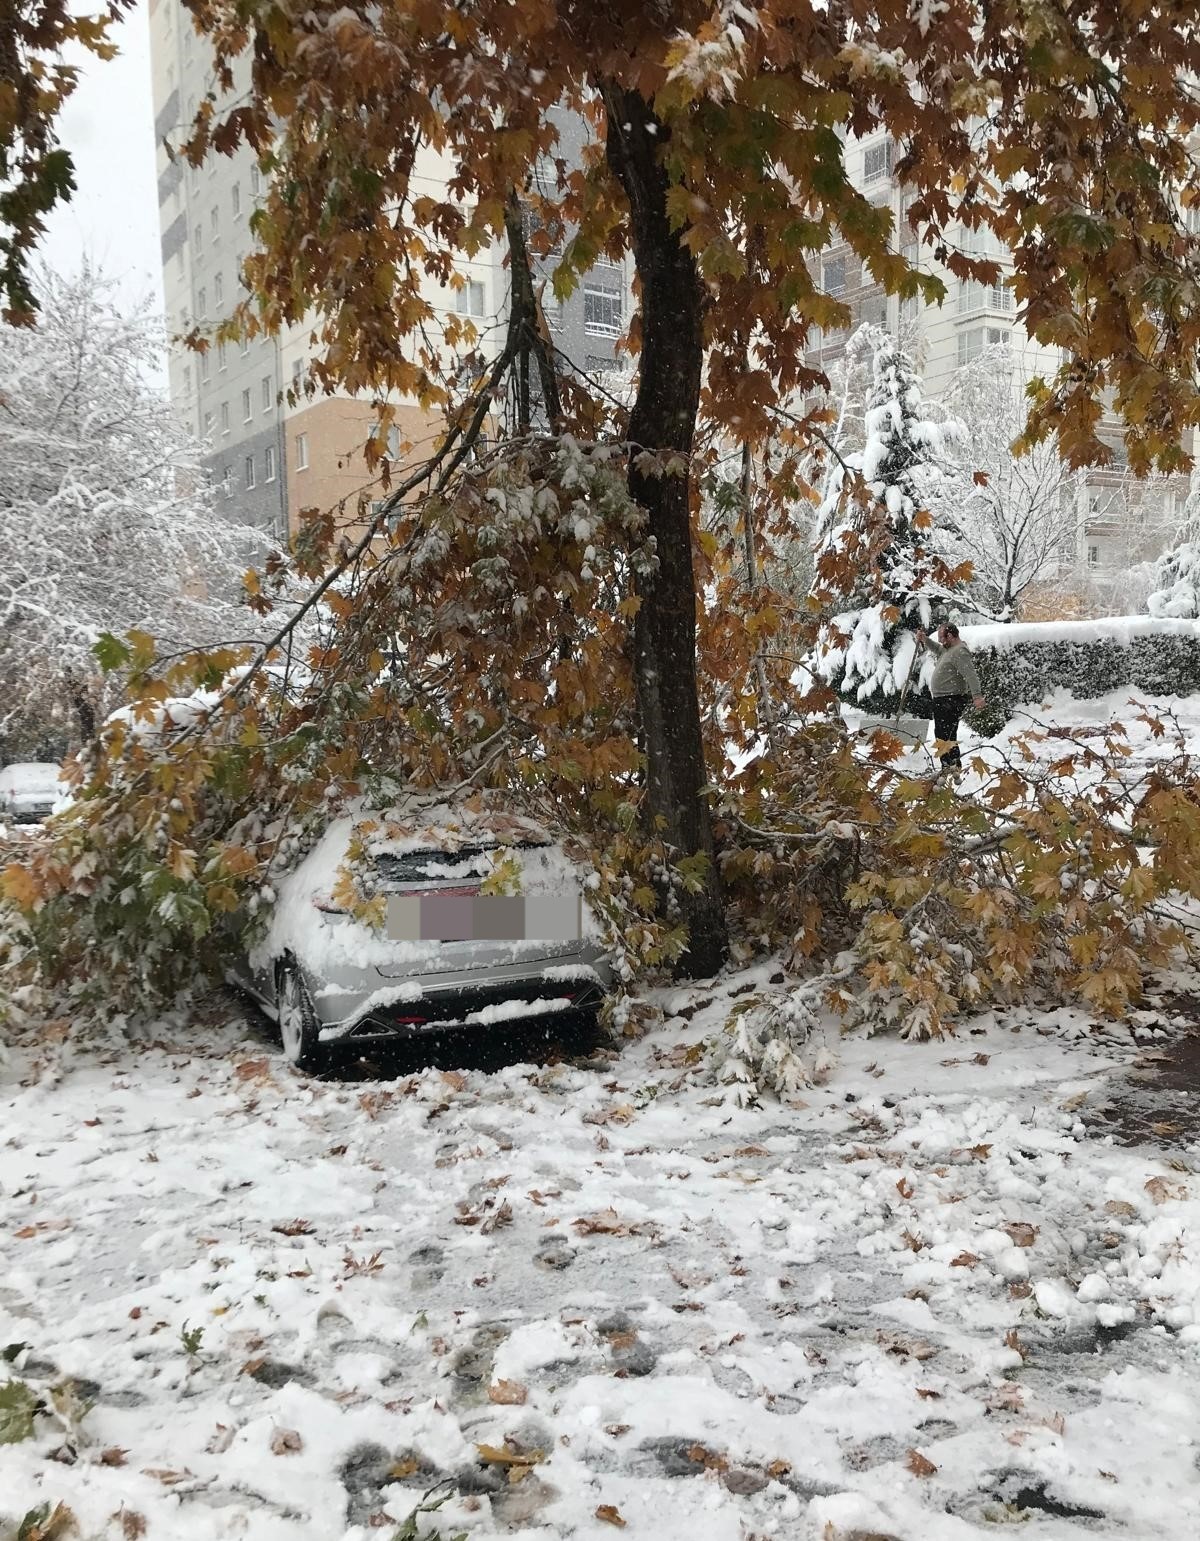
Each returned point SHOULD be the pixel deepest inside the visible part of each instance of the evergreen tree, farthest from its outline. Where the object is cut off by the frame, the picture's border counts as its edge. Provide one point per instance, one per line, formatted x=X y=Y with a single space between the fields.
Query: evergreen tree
x=879 y=569
x=1176 y=591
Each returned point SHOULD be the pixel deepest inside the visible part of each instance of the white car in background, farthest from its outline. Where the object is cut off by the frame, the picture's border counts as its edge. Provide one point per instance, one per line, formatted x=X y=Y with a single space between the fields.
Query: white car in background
x=29 y=791
x=344 y=963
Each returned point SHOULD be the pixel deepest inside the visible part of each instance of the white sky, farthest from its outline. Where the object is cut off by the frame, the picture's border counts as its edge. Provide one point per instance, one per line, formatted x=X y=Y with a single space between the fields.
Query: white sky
x=108 y=126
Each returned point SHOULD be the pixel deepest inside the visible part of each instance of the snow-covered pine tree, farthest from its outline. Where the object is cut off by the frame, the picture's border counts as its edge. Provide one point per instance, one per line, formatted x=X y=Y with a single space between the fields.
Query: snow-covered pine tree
x=880 y=571
x=1176 y=590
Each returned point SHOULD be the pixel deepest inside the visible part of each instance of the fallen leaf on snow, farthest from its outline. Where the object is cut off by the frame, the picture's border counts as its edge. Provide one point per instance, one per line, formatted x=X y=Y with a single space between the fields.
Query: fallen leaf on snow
x=611 y=1515
x=166 y=1475
x=294 y=1228
x=509 y=1393
x=286 y=1442
x=509 y=1455
x=1022 y=1233
x=964 y=1260
x=920 y=1465
x=113 y=1456
x=46 y=1524
x=905 y=1347
x=1160 y=1190
x=1120 y=1207
x=928 y=1394
x=615 y=1430
x=133 y=1524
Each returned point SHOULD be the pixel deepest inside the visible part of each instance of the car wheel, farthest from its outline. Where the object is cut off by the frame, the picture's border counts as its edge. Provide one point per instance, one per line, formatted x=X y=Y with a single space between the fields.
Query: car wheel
x=299 y=1030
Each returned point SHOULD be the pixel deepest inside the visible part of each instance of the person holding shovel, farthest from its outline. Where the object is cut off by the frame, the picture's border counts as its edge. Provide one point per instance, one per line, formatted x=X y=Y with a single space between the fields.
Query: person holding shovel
x=954 y=685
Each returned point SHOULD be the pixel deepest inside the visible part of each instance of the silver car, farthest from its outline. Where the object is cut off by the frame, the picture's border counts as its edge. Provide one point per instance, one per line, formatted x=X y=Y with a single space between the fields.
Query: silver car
x=29 y=791
x=376 y=934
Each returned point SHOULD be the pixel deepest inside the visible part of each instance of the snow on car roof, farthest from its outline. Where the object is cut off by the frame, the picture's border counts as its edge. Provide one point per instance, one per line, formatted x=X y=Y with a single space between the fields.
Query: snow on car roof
x=30 y=776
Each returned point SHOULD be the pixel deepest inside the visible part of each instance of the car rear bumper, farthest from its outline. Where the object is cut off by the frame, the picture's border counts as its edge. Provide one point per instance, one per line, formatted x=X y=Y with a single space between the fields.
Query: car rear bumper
x=476 y=1007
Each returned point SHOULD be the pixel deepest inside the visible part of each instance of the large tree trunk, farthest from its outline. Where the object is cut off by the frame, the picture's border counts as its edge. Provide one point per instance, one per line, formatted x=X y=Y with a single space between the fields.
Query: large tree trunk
x=664 y=419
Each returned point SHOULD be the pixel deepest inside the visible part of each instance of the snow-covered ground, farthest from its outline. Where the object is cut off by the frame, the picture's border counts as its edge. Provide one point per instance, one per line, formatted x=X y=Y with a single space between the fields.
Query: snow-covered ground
x=925 y=1301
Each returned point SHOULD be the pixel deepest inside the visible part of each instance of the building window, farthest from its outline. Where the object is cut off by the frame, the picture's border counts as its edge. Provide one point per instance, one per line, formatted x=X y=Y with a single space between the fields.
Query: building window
x=224 y=417
x=187 y=391
x=202 y=304
x=204 y=363
x=972 y=342
x=297 y=372
x=197 y=238
x=877 y=161
x=247 y=410
x=218 y=291
x=227 y=481
x=468 y=301
x=532 y=223
x=208 y=425
x=269 y=464
x=976 y=296
x=245 y=346
x=255 y=182
x=214 y=224
x=268 y=395
x=393 y=439
x=833 y=275
x=302 y=452
x=603 y=311
x=1093 y=556
x=249 y=473
x=221 y=356
x=235 y=198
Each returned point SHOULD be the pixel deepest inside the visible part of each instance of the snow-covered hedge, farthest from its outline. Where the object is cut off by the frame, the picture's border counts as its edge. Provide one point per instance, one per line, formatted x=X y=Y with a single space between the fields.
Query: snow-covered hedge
x=1026 y=661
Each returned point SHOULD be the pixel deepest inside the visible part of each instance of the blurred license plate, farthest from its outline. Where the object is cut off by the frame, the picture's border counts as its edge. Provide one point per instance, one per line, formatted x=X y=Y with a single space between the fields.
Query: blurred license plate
x=484 y=918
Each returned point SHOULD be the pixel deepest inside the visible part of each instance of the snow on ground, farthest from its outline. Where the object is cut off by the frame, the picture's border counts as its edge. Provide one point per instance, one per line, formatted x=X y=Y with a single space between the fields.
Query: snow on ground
x=1046 y=729
x=920 y=1303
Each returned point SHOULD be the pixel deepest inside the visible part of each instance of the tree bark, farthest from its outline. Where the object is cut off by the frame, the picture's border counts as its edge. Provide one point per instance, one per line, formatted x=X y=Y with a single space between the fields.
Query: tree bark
x=664 y=420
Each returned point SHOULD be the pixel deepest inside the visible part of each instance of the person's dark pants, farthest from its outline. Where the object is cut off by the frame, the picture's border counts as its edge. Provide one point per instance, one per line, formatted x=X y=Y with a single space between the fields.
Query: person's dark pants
x=946 y=713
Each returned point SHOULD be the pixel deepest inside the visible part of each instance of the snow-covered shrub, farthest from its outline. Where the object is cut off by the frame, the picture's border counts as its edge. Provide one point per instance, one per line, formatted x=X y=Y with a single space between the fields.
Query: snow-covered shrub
x=766 y=1044
x=1026 y=663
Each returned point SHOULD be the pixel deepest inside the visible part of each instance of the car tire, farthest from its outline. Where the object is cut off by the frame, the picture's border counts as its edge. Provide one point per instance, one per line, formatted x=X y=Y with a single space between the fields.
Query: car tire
x=299 y=1030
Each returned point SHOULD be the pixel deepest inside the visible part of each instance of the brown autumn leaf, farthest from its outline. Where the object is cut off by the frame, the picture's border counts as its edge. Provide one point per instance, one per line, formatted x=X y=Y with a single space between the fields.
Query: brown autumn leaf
x=1013 y=1341
x=167 y=1475
x=509 y=1455
x=920 y=1465
x=904 y=1188
x=251 y=1070
x=508 y=1393
x=113 y=1456
x=1161 y=1190
x=1022 y=1233
x=454 y=1079
x=286 y=1442
x=133 y=1524
x=928 y=1394
x=616 y=1430
x=611 y=1515
x=964 y=1260
x=1121 y=1208
x=905 y=1346
x=502 y=1215
x=294 y=1228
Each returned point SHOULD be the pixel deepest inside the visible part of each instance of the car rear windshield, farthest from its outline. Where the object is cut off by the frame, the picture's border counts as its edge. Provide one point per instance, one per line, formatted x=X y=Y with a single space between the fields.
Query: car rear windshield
x=398 y=869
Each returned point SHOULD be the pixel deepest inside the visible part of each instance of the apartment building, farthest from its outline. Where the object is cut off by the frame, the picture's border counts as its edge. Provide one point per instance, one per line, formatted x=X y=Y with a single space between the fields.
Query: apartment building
x=230 y=396
x=1121 y=522
x=273 y=450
